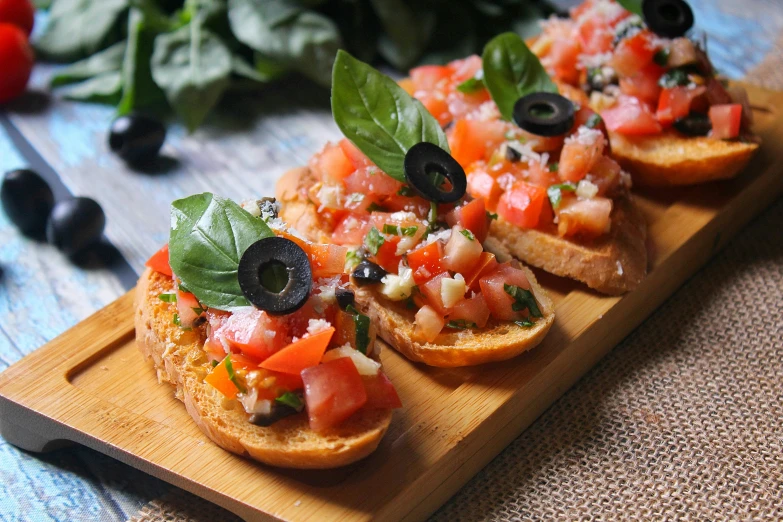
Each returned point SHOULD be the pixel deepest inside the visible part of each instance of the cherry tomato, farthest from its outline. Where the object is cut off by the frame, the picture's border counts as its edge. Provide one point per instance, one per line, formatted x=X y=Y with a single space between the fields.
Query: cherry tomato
x=20 y=13
x=16 y=61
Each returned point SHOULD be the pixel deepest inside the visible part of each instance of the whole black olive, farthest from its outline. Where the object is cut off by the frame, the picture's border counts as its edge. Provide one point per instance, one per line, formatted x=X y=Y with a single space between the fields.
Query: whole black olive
x=344 y=297
x=694 y=124
x=367 y=273
x=668 y=18
x=75 y=224
x=27 y=200
x=275 y=275
x=544 y=114
x=425 y=161
x=279 y=411
x=137 y=139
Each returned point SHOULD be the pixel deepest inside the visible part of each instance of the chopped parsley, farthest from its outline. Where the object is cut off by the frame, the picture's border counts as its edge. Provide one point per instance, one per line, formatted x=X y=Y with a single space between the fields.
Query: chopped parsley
x=491 y=216
x=525 y=324
x=461 y=324
x=554 y=166
x=291 y=399
x=352 y=258
x=374 y=241
x=362 y=328
x=674 y=78
x=374 y=207
x=471 y=85
x=215 y=363
x=555 y=193
x=523 y=300
x=198 y=310
x=232 y=376
x=406 y=191
x=176 y=321
x=468 y=234
x=593 y=121
x=661 y=57
x=168 y=298
x=396 y=230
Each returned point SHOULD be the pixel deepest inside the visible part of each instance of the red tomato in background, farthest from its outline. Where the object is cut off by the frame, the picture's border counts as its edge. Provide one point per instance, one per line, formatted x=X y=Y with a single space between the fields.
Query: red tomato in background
x=20 y=13
x=16 y=61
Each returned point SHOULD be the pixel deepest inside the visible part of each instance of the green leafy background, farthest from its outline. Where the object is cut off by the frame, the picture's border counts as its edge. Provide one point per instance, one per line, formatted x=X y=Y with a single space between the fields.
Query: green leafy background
x=141 y=54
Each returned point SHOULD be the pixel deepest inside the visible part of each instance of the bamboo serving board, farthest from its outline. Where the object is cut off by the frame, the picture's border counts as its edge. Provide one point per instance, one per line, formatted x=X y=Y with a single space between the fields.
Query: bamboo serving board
x=91 y=385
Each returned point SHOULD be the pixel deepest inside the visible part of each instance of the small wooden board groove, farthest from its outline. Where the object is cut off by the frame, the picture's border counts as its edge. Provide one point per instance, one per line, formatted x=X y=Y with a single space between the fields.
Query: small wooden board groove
x=91 y=386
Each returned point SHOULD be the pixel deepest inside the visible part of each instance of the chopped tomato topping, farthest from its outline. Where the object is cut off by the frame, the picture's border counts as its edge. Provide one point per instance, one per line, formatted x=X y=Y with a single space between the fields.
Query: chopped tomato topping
x=188 y=308
x=500 y=303
x=432 y=291
x=485 y=265
x=595 y=36
x=426 y=262
x=304 y=245
x=605 y=174
x=462 y=251
x=522 y=204
x=483 y=185
x=644 y=83
x=427 y=77
x=333 y=164
x=471 y=216
x=220 y=378
x=587 y=217
x=297 y=356
x=371 y=180
x=634 y=53
x=631 y=117
x=579 y=155
x=474 y=310
x=327 y=260
x=380 y=392
x=675 y=103
x=429 y=323
x=472 y=140
x=726 y=120
x=254 y=333
x=334 y=391
x=563 y=59
x=351 y=230
x=159 y=261
x=357 y=157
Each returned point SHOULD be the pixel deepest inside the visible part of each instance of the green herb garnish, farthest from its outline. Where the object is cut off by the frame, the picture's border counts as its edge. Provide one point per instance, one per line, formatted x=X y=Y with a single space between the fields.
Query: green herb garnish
x=215 y=363
x=362 y=324
x=232 y=376
x=374 y=241
x=554 y=166
x=198 y=310
x=291 y=399
x=491 y=216
x=662 y=57
x=168 y=298
x=461 y=324
x=593 y=121
x=525 y=324
x=374 y=207
x=674 y=78
x=175 y=320
x=406 y=191
x=471 y=85
x=468 y=234
x=397 y=230
x=352 y=258
x=555 y=193
x=523 y=300
x=634 y=6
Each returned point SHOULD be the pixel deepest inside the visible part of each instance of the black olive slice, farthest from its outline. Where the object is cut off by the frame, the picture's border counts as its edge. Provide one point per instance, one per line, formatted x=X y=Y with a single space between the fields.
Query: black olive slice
x=27 y=200
x=136 y=138
x=368 y=273
x=424 y=162
x=694 y=124
x=668 y=18
x=275 y=275
x=544 y=114
x=279 y=411
x=344 y=297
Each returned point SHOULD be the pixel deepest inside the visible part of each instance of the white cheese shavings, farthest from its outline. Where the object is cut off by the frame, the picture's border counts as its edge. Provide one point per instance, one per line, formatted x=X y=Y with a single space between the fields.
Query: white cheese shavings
x=406 y=244
x=317 y=325
x=442 y=235
x=330 y=196
x=506 y=181
x=251 y=404
x=585 y=136
x=400 y=286
x=403 y=216
x=364 y=365
x=591 y=61
x=586 y=189
x=452 y=290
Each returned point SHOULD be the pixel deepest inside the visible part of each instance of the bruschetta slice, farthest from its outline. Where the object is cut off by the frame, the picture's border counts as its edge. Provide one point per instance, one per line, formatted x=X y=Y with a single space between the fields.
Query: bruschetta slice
x=256 y=329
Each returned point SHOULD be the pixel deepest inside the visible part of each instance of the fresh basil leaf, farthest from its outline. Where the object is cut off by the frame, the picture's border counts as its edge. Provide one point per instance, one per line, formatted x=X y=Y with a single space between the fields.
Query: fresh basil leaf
x=78 y=28
x=407 y=29
x=511 y=71
x=634 y=6
x=138 y=87
x=291 y=399
x=278 y=29
x=193 y=67
x=524 y=299
x=208 y=236
x=374 y=241
x=106 y=61
x=555 y=193
x=378 y=116
x=104 y=88
x=168 y=298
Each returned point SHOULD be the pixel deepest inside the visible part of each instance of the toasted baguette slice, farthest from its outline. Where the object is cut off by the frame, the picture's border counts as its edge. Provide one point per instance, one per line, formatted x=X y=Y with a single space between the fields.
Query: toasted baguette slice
x=613 y=264
x=670 y=159
x=496 y=342
x=180 y=360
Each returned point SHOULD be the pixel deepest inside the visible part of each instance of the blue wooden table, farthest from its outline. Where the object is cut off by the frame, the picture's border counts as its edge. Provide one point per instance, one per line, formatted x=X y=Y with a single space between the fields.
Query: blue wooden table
x=239 y=153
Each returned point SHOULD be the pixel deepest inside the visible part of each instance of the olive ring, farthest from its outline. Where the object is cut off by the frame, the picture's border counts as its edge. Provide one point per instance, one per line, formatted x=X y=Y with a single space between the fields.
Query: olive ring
x=261 y=257
x=544 y=114
x=424 y=159
x=668 y=18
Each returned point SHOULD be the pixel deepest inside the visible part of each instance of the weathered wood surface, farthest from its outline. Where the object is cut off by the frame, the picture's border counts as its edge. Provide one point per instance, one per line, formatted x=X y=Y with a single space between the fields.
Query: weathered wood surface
x=238 y=153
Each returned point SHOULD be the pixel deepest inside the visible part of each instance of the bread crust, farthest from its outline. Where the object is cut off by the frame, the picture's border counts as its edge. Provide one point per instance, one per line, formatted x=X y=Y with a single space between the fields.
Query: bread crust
x=669 y=159
x=612 y=264
x=179 y=359
x=496 y=342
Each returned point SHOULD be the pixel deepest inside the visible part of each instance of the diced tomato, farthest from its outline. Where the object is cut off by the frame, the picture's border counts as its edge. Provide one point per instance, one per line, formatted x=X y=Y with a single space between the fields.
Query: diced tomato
x=297 y=356
x=351 y=230
x=675 y=103
x=563 y=59
x=429 y=323
x=426 y=262
x=472 y=140
x=587 y=217
x=605 y=174
x=371 y=180
x=485 y=265
x=188 y=308
x=220 y=378
x=465 y=68
x=644 y=83
x=522 y=204
x=159 y=261
x=582 y=116
x=482 y=185
x=387 y=257
x=634 y=53
x=303 y=244
x=473 y=309
x=631 y=117
x=428 y=77
x=540 y=175
x=436 y=104
x=415 y=204
x=682 y=51
x=492 y=287
x=327 y=260
x=333 y=392
x=579 y=155
x=254 y=333
x=380 y=392
x=462 y=252
x=346 y=327
x=473 y=217
x=274 y=384
x=357 y=157
x=432 y=291
x=596 y=36
x=333 y=164
x=726 y=120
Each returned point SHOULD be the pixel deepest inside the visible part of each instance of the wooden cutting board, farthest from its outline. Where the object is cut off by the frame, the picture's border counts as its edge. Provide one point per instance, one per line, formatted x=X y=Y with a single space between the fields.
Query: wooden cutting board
x=91 y=386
